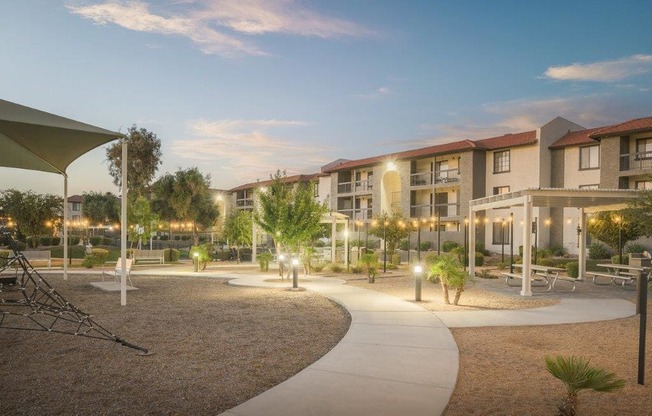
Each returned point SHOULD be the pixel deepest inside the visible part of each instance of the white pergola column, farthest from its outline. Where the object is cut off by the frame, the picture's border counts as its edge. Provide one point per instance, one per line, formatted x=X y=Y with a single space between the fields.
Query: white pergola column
x=526 y=288
x=333 y=236
x=65 y=227
x=254 y=238
x=346 y=243
x=581 y=255
x=123 y=228
x=471 y=248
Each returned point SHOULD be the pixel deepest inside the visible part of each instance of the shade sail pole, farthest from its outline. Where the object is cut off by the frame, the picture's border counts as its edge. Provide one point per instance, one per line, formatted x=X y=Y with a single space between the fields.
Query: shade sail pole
x=65 y=227
x=123 y=228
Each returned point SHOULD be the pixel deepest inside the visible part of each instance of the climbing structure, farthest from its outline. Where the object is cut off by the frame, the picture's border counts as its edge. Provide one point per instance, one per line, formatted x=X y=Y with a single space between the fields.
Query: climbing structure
x=32 y=304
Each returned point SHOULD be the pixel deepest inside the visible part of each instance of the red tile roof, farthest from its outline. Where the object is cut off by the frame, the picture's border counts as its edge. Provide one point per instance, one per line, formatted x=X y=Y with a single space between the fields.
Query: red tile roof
x=575 y=138
x=76 y=198
x=287 y=179
x=628 y=127
x=508 y=140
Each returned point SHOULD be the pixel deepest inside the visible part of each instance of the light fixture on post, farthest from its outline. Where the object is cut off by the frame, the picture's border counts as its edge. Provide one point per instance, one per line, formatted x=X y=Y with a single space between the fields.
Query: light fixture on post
x=418 y=272
x=195 y=261
x=502 y=240
x=579 y=234
x=385 y=223
x=295 y=273
x=618 y=219
x=511 y=242
x=465 y=258
x=535 y=231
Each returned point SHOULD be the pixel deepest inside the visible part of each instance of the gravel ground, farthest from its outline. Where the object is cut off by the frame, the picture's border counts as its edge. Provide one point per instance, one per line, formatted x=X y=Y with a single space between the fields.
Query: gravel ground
x=215 y=346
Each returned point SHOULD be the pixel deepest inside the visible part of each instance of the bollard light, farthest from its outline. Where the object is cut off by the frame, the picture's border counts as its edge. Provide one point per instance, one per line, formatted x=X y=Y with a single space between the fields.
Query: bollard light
x=195 y=261
x=418 y=271
x=295 y=273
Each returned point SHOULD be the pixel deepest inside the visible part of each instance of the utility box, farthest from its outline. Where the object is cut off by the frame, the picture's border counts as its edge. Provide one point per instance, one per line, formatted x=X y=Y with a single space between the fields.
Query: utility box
x=639 y=260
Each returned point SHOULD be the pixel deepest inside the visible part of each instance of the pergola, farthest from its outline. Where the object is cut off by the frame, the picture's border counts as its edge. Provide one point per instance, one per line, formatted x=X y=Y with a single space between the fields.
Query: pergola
x=35 y=140
x=585 y=200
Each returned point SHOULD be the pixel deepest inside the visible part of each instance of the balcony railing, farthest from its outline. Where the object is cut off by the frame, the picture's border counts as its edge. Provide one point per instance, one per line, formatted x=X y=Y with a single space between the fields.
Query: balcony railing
x=429 y=211
x=344 y=187
x=243 y=203
x=357 y=214
x=361 y=186
x=634 y=161
x=440 y=176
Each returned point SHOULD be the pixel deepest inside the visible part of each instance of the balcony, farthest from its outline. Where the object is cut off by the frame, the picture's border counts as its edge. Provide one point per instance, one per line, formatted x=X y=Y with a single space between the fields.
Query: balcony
x=446 y=211
x=244 y=203
x=357 y=214
x=363 y=186
x=344 y=187
x=636 y=161
x=419 y=179
x=440 y=176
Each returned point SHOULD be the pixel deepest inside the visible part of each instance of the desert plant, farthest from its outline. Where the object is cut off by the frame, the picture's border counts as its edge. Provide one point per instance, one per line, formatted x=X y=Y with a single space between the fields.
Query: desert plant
x=617 y=260
x=357 y=268
x=486 y=274
x=447 y=246
x=370 y=262
x=479 y=258
x=573 y=269
x=263 y=260
x=578 y=374
x=318 y=267
x=629 y=248
x=449 y=271
x=501 y=265
x=170 y=255
x=598 y=251
x=396 y=259
x=336 y=267
x=101 y=254
x=203 y=252
x=430 y=258
x=425 y=245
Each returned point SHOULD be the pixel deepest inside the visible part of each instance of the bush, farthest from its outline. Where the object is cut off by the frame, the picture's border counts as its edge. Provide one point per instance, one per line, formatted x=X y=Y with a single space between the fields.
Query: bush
x=336 y=267
x=635 y=248
x=45 y=240
x=479 y=258
x=56 y=241
x=165 y=237
x=357 y=269
x=425 y=245
x=558 y=251
x=177 y=237
x=430 y=259
x=97 y=240
x=545 y=262
x=185 y=237
x=319 y=243
x=598 y=251
x=73 y=240
x=403 y=245
x=479 y=247
x=501 y=265
x=20 y=246
x=318 y=267
x=486 y=274
x=263 y=260
x=447 y=246
x=396 y=259
x=31 y=242
x=615 y=259
x=4 y=257
x=573 y=269
x=101 y=254
x=171 y=255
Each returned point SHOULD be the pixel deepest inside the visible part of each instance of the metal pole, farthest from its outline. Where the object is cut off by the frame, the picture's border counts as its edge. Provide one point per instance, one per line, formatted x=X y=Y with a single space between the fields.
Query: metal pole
x=620 y=241
x=409 y=232
x=511 y=242
x=502 y=240
x=123 y=227
x=419 y=242
x=384 y=246
x=641 y=288
x=438 y=231
x=466 y=243
x=536 y=239
x=295 y=273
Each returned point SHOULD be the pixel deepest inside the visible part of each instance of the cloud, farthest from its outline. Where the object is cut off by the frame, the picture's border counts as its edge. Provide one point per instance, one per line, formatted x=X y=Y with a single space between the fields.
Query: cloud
x=380 y=92
x=605 y=71
x=214 y=25
x=246 y=150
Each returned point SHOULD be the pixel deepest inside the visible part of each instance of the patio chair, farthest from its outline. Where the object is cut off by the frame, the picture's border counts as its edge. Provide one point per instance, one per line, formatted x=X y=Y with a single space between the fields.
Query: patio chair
x=117 y=271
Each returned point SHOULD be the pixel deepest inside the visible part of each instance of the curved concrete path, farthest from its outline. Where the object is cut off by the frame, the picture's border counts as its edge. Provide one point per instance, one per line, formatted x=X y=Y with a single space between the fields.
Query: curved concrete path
x=396 y=359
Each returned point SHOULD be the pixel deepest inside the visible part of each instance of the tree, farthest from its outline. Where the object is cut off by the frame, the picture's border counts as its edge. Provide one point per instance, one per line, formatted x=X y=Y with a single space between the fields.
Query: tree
x=391 y=228
x=611 y=227
x=143 y=158
x=578 y=374
x=290 y=214
x=141 y=219
x=237 y=229
x=31 y=212
x=186 y=196
x=101 y=208
x=449 y=271
x=640 y=208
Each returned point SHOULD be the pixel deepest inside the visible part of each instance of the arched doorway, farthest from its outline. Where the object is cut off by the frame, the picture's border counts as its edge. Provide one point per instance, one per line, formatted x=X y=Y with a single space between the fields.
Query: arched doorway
x=390 y=192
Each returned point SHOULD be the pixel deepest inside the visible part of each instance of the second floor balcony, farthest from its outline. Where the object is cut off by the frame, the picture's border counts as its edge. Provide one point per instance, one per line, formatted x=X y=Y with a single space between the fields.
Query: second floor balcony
x=439 y=177
x=357 y=186
x=244 y=203
x=636 y=161
x=357 y=214
x=444 y=211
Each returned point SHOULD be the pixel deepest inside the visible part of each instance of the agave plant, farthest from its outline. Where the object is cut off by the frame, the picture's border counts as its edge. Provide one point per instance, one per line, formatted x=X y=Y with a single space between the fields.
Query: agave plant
x=578 y=374
x=448 y=270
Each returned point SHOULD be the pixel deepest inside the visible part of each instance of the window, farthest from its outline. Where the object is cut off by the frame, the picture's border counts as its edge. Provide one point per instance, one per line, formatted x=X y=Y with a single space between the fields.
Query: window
x=501 y=190
x=644 y=185
x=643 y=149
x=500 y=233
x=589 y=157
x=501 y=161
x=76 y=206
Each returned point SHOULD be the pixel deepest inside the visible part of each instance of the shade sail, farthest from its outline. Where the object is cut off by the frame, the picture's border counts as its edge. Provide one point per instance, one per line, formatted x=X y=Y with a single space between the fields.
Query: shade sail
x=36 y=140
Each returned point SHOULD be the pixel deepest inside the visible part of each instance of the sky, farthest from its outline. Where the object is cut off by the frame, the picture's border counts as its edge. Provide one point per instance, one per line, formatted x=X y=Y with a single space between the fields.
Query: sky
x=241 y=88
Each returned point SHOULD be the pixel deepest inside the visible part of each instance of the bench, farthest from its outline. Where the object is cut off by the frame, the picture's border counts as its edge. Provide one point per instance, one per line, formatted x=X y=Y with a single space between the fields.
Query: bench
x=536 y=279
x=627 y=278
x=38 y=255
x=157 y=256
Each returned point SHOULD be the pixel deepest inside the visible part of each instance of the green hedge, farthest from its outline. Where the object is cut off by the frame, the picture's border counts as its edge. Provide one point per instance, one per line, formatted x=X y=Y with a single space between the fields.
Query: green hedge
x=171 y=255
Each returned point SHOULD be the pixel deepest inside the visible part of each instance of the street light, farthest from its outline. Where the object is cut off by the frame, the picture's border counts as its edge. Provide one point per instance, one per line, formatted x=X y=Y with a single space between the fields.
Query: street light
x=618 y=219
x=502 y=239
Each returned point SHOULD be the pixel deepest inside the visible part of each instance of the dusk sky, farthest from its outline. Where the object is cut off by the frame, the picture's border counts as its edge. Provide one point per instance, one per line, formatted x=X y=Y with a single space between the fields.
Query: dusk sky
x=240 y=88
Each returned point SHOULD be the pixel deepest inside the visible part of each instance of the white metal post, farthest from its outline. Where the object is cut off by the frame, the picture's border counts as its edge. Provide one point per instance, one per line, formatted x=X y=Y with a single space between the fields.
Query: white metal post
x=123 y=227
x=581 y=244
x=526 y=289
x=471 y=251
x=65 y=226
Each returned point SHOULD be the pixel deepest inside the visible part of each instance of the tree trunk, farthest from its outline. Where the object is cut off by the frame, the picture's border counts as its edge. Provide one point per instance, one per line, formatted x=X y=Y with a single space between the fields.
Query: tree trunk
x=569 y=405
x=458 y=293
x=444 y=287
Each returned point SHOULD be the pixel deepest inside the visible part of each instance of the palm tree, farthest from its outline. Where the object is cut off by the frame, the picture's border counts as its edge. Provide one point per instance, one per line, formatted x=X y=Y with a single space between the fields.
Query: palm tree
x=450 y=274
x=578 y=374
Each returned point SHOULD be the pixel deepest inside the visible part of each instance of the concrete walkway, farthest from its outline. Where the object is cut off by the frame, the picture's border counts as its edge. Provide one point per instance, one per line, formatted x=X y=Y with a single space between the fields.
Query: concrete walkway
x=396 y=359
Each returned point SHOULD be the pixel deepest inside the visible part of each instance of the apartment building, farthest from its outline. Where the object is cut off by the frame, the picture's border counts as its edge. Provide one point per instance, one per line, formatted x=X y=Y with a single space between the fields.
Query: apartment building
x=435 y=184
x=74 y=207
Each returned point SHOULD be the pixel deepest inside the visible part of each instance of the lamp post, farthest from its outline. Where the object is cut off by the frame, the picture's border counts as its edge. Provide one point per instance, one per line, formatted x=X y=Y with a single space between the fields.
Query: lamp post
x=385 y=246
x=438 y=231
x=618 y=219
x=579 y=233
x=511 y=242
x=418 y=271
x=535 y=230
x=465 y=259
x=502 y=240
x=418 y=240
x=358 y=225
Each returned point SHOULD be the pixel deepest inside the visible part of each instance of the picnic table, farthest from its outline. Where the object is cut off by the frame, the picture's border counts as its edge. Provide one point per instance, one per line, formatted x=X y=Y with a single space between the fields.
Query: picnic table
x=542 y=276
x=618 y=273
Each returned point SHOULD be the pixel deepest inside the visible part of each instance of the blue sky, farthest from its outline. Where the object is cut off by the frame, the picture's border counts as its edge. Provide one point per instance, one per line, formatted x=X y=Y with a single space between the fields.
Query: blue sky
x=240 y=88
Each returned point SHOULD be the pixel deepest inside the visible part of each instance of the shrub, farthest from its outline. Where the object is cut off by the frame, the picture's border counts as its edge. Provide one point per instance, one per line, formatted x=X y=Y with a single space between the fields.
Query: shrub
x=545 y=262
x=403 y=245
x=598 y=251
x=107 y=241
x=486 y=274
x=616 y=258
x=97 y=240
x=20 y=246
x=357 y=268
x=45 y=240
x=573 y=269
x=392 y=266
x=319 y=243
x=447 y=246
x=56 y=241
x=543 y=253
x=171 y=255
x=501 y=265
x=370 y=262
x=263 y=260
x=479 y=247
x=73 y=240
x=431 y=258
x=32 y=242
x=4 y=257
x=165 y=237
x=318 y=267
x=558 y=251
x=95 y=258
x=479 y=259
x=177 y=237
x=396 y=259
x=425 y=245
x=635 y=248
x=204 y=254
x=336 y=267
x=101 y=254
